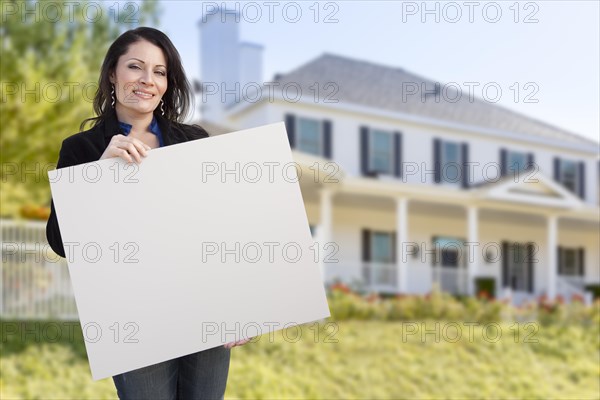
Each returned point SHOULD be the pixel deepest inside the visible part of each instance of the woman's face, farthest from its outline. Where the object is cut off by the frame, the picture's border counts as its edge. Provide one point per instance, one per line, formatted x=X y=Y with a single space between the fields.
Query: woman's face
x=140 y=78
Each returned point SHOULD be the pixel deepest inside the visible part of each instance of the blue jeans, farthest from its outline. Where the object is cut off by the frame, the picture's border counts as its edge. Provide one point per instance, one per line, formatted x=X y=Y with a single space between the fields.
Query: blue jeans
x=201 y=375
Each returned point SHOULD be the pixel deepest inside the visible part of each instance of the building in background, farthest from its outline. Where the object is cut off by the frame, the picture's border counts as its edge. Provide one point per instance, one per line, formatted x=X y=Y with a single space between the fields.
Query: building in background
x=475 y=196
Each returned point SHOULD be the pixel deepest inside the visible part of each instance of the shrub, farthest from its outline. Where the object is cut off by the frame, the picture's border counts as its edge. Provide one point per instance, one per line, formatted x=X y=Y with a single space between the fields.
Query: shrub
x=346 y=304
x=485 y=287
x=595 y=289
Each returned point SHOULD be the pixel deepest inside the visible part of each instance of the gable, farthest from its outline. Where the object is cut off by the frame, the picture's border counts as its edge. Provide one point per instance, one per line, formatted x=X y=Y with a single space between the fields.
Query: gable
x=531 y=188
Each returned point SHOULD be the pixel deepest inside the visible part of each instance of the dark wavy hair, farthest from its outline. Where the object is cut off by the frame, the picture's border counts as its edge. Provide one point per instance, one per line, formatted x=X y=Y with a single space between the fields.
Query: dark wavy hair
x=177 y=99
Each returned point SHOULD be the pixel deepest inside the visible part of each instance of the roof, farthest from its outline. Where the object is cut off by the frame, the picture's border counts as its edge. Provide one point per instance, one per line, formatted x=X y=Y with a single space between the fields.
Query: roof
x=373 y=85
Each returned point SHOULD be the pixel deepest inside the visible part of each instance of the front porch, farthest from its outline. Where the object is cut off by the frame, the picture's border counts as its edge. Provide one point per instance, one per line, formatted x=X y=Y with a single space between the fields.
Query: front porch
x=454 y=238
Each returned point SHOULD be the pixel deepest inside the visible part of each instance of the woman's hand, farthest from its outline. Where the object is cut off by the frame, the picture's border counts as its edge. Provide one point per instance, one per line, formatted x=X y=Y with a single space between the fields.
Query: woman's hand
x=238 y=343
x=128 y=148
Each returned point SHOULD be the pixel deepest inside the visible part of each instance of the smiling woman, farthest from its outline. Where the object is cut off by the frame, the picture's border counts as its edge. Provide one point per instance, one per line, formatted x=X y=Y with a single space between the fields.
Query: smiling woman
x=142 y=100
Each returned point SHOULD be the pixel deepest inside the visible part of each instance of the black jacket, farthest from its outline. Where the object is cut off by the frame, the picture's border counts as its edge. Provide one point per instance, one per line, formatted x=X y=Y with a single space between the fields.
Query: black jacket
x=89 y=145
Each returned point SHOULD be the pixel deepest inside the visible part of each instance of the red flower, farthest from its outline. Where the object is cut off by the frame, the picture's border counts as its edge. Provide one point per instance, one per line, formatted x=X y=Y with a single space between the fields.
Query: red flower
x=340 y=287
x=483 y=294
x=548 y=307
x=576 y=297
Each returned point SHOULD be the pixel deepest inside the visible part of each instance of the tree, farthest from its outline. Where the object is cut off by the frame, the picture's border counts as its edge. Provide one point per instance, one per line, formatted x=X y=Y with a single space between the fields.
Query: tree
x=51 y=58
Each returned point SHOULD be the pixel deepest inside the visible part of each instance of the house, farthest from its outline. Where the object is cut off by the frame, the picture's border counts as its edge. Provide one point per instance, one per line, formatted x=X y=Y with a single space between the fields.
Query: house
x=407 y=184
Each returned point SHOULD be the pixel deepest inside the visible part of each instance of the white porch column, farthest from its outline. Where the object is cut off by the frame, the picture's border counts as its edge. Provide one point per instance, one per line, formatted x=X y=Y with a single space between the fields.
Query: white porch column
x=401 y=238
x=472 y=256
x=552 y=241
x=324 y=228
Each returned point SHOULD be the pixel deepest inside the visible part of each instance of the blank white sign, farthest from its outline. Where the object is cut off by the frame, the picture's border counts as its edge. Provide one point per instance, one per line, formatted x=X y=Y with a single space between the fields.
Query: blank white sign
x=205 y=242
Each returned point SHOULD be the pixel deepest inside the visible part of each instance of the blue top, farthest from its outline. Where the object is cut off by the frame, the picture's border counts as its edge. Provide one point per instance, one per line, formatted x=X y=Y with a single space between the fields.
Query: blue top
x=154 y=128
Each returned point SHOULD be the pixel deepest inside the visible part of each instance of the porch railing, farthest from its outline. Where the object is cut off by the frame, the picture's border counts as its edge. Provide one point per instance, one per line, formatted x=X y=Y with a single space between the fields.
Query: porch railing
x=452 y=280
x=570 y=286
x=381 y=277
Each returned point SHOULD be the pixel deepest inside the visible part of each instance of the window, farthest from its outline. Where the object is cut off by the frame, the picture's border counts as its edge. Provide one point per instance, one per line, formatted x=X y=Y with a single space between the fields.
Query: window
x=382 y=156
x=570 y=262
x=515 y=161
x=568 y=175
x=309 y=136
x=448 y=251
x=381 y=247
x=451 y=157
x=380 y=152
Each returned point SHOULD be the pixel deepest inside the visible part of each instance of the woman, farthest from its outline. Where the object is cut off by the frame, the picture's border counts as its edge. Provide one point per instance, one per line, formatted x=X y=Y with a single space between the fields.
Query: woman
x=142 y=99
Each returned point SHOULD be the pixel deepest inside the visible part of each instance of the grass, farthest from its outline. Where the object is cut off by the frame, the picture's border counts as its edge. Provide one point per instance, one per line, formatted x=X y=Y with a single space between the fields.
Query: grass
x=371 y=359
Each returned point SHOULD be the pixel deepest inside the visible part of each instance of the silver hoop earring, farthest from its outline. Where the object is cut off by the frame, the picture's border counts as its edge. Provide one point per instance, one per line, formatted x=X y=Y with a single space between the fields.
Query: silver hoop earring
x=112 y=96
x=162 y=110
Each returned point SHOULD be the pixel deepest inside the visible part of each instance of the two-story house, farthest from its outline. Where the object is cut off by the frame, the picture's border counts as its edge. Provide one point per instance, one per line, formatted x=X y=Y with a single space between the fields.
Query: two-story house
x=408 y=188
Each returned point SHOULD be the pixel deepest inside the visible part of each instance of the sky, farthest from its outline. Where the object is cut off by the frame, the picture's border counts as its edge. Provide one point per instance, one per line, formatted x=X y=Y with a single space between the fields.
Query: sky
x=546 y=52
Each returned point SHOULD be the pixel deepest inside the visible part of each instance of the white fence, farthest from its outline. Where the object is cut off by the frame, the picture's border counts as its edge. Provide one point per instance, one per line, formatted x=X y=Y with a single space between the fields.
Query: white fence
x=35 y=281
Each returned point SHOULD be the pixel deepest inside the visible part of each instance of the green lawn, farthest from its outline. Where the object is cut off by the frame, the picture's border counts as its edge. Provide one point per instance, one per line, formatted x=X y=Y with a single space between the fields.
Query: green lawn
x=370 y=360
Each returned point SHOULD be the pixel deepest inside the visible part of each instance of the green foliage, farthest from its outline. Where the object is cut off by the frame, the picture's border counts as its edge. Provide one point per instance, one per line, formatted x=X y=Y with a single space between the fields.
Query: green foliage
x=48 y=78
x=486 y=285
x=345 y=304
x=595 y=289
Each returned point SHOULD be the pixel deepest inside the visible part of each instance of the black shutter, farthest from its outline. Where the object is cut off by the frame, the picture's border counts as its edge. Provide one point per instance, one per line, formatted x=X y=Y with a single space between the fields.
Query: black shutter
x=557 y=169
x=327 y=138
x=503 y=158
x=366 y=245
x=582 y=180
x=364 y=150
x=505 y=265
x=530 y=252
x=559 y=260
x=398 y=154
x=465 y=166
x=581 y=257
x=437 y=152
x=530 y=161
x=434 y=259
x=290 y=127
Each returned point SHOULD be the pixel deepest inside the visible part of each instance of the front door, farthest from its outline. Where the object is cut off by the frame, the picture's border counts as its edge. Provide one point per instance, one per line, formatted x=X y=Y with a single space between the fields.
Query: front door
x=382 y=262
x=449 y=264
x=517 y=266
